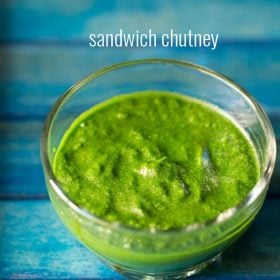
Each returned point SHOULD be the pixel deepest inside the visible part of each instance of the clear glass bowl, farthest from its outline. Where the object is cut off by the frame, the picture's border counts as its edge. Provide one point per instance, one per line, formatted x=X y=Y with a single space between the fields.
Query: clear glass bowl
x=159 y=254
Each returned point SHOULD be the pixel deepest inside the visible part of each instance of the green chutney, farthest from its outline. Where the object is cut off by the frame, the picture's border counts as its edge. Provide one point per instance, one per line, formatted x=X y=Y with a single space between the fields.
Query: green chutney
x=155 y=160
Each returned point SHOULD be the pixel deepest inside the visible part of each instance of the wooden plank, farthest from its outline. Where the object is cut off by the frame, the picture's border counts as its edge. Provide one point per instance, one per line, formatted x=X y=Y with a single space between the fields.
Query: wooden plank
x=35 y=244
x=33 y=77
x=61 y=20
x=20 y=165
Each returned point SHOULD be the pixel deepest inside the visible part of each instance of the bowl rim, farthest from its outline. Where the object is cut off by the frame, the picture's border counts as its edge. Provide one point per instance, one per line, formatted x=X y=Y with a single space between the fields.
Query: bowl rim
x=252 y=196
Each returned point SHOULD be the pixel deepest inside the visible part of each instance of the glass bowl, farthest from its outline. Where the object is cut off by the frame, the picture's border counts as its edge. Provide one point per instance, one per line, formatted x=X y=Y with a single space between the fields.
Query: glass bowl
x=154 y=254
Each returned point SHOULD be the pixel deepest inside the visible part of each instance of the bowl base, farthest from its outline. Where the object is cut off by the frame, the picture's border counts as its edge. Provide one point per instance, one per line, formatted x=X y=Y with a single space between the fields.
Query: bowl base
x=181 y=274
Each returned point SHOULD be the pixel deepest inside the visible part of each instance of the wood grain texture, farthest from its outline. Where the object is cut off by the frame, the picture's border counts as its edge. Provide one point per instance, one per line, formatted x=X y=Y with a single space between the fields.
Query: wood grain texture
x=74 y=20
x=21 y=172
x=35 y=244
x=33 y=77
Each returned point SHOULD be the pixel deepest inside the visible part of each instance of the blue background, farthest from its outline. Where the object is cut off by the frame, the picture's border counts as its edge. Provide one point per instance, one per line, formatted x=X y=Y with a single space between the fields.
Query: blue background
x=44 y=50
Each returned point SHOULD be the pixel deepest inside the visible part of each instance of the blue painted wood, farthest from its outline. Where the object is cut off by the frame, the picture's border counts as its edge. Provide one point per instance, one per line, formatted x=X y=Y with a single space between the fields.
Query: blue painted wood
x=35 y=244
x=35 y=76
x=20 y=165
x=74 y=20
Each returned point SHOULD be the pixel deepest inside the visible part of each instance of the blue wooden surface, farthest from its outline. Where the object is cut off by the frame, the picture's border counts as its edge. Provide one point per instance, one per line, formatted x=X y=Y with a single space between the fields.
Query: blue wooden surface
x=44 y=50
x=70 y=19
x=34 y=243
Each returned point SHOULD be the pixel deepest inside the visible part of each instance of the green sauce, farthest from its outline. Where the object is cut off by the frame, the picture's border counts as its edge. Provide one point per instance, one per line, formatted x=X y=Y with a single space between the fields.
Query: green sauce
x=155 y=160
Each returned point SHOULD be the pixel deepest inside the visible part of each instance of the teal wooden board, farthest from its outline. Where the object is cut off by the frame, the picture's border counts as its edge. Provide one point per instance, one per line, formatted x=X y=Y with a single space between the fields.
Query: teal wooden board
x=35 y=76
x=21 y=173
x=35 y=244
x=74 y=20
